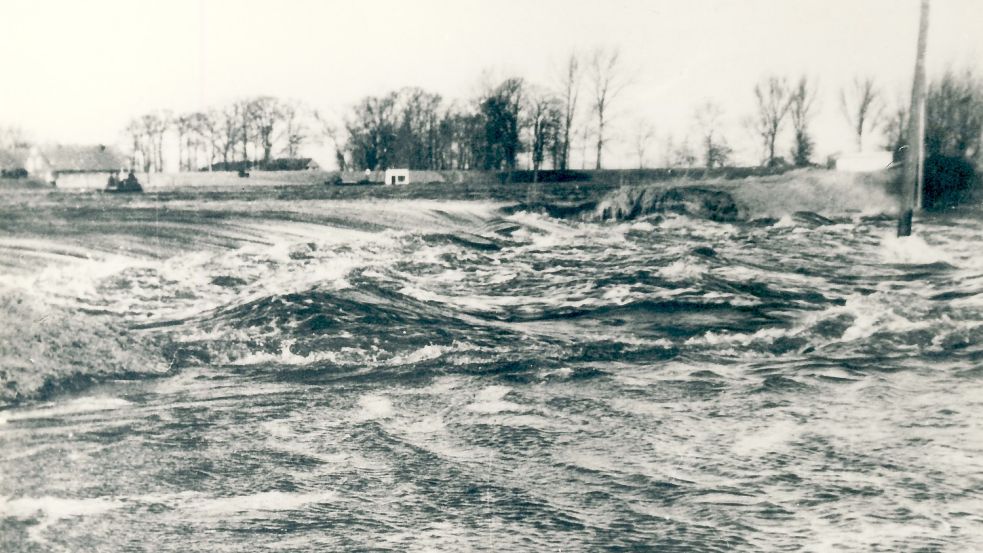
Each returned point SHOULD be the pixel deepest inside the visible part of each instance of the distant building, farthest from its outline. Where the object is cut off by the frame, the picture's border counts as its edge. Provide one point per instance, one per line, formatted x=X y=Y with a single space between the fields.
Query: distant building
x=397 y=176
x=860 y=162
x=74 y=166
x=13 y=163
x=407 y=176
x=289 y=164
x=278 y=164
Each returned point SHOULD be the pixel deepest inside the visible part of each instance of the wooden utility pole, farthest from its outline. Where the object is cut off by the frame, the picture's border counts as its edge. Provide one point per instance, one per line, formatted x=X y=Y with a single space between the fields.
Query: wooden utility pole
x=912 y=183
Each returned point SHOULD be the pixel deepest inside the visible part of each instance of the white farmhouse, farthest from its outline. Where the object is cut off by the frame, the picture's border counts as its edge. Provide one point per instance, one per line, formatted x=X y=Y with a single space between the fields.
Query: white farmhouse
x=74 y=166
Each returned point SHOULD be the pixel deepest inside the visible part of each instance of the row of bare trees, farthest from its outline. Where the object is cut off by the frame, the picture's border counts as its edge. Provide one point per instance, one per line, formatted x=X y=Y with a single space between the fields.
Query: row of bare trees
x=247 y=131
x=410 y=127
x=415 y=128
x=513 y=117
x=777 y=103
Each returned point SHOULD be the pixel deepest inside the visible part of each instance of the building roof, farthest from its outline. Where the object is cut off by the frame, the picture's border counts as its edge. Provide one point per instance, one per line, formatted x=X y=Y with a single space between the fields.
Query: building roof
x=81 y=159
x=288 y=164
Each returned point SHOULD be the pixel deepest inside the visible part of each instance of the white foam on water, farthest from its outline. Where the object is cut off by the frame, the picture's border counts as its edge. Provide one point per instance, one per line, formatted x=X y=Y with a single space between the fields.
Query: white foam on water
x=344 y=356
x=682 y=270
x=765 y=440
x=56 y=508
x=50 y=510
x=739 y=273
x=786 y=221
x=875 y=313
x=765 y=335
x=619 y=294
x=450 y=275
x=697 y=227
x=488 y=303
x=540 y=232
x=258 y=502
x=70 y=407
x=491 y=399
x=428 y=352
x=911 y=250
x=374 y=406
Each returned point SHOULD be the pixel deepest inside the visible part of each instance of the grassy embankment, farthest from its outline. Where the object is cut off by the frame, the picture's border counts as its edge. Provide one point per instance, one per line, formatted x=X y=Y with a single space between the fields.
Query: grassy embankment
x=44 y=349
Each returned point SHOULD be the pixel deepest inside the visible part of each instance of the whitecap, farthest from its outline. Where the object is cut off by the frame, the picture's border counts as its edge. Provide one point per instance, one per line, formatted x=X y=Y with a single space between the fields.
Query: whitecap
x=374 y=407
x=911 y=250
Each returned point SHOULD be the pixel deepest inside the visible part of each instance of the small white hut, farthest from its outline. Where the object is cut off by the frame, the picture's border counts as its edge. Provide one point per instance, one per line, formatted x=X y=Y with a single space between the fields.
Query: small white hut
x=397 y=176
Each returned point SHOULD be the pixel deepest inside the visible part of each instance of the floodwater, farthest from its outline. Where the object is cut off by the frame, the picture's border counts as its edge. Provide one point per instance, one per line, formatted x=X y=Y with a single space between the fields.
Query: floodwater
x=337 y=375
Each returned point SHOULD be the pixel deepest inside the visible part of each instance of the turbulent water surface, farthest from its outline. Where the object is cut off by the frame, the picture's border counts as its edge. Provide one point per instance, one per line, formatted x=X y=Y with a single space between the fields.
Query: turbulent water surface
x=436 y=375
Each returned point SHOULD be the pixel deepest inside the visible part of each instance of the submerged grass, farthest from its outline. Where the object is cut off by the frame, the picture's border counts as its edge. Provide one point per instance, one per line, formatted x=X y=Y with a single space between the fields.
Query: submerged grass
x=45 y=349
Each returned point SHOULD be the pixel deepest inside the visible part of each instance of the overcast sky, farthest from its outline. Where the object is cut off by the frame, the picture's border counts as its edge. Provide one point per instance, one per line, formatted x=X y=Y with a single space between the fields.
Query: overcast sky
x=76 y=71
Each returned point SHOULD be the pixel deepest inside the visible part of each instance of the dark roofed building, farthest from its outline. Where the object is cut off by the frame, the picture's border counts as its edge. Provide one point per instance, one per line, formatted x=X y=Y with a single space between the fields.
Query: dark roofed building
x=74 y=166
x=13 y=162
x=278 y=164
x=289 y=164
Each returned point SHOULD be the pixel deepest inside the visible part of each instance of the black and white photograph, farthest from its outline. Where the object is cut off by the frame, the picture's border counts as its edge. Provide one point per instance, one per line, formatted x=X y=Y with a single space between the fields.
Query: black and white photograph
x=491 y=276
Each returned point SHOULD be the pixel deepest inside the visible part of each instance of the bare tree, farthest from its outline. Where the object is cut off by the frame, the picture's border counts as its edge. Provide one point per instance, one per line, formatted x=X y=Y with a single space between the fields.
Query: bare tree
x=954 y=115
x=371 y=132
x=505 y=114
x=242 y=111
x=608 y=82
x=183 y=127
x=295 y=130
x=201 y=126
x=546 y=119
x=136 y=138
x=585 y=136
x=329 y=130
x=668 y=145
x=266 y=113
x=896 y=129
x=772 y=96
x=708 y=121
x=223 y=133
x=684 y=155
x=12 y=136
x=154 y=126
x=643 y=134
x=801 y=104
x=569 y=95
x=862 y=107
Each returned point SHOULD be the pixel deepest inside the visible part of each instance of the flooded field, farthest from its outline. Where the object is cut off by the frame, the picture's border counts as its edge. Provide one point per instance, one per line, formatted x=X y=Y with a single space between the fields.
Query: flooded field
x=273 y=370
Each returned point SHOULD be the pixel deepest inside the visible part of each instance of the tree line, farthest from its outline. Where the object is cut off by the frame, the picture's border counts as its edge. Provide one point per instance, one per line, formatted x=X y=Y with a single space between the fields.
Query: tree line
x=954 y=119
x=410 y=127
x=512 y=118
x=249 y=131
x=414 y=128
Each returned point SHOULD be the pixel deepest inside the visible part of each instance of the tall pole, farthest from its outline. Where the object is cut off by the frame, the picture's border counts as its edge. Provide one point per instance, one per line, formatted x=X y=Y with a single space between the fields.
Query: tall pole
x=911 y=186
